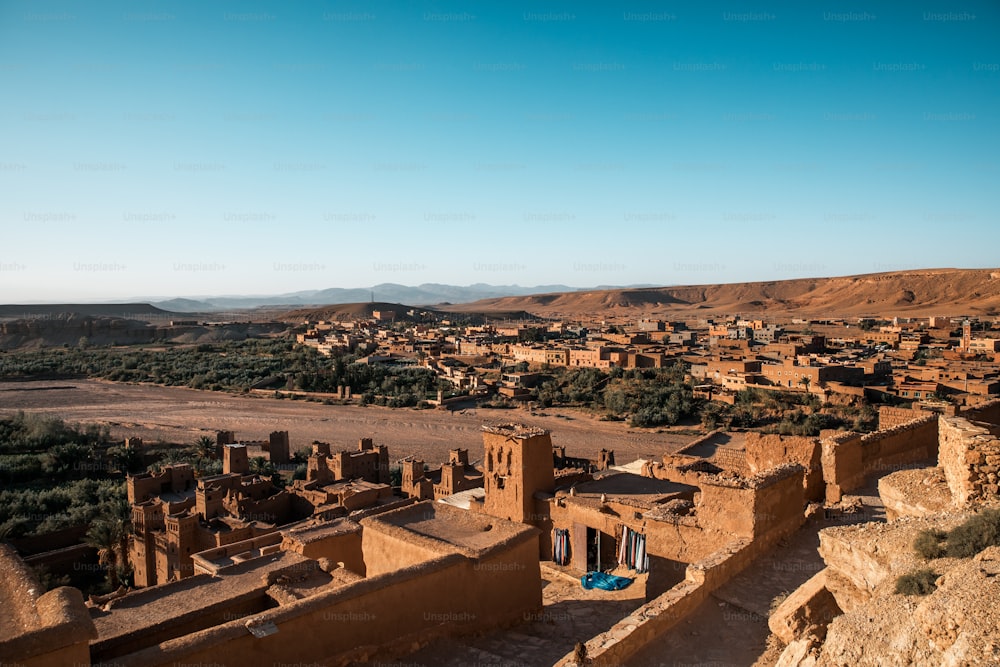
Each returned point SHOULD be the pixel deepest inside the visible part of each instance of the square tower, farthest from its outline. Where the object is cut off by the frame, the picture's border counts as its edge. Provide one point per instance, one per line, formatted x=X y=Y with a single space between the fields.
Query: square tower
x=235 y=459
x=278 y=447
x=517 y=463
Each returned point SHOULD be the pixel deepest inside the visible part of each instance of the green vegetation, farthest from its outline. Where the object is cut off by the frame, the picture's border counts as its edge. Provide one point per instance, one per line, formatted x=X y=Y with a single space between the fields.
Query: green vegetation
x=646 y=397
x=55 y=475
x=921 y=582
x=109 y=535
x=232 y=366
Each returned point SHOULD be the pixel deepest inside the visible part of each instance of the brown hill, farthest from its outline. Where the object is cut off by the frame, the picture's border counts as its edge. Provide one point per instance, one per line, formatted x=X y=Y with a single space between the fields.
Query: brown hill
x=908 y=293
x=353 y=311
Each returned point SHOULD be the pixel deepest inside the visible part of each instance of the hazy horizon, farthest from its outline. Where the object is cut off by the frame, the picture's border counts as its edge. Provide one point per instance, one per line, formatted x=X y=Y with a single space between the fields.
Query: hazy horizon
x=266 y=149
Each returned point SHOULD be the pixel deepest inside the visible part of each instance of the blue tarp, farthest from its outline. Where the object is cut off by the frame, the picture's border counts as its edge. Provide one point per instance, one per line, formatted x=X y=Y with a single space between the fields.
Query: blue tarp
x=608 y=582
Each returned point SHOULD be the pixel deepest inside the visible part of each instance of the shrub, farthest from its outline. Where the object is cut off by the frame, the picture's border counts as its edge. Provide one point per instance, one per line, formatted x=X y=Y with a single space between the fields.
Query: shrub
x=971 y=537
x=929 y=544
x=920 y=582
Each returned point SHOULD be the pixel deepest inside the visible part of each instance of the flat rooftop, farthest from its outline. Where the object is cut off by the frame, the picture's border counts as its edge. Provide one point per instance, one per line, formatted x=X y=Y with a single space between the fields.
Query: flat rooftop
x=448 y=525
x=319 y=531
x=627 y=484
x=707 y=448
x=152 y=615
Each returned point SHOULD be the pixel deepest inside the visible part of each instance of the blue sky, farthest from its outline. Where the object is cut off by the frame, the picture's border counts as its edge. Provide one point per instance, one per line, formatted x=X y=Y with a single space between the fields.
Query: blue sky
x=223 y=147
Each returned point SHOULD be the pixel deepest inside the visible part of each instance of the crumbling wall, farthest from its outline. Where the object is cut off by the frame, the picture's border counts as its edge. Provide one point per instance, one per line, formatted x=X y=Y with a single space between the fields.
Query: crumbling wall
x=753 y=507
x=970 y=458
x=842 y=467
x=642 y=626
x=984 y=412
x=765 y=451
x=897 y=448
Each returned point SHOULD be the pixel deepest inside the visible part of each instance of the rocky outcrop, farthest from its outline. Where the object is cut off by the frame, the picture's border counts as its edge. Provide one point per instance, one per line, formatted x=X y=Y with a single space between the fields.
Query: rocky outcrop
x=917 y=493
x=957 y=624
x=806 y=612
x=866 y=558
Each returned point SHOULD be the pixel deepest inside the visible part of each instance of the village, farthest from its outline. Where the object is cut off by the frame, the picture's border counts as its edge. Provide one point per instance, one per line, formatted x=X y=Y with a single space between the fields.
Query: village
x=401 y=554
x=372 y=557
x=949 y=359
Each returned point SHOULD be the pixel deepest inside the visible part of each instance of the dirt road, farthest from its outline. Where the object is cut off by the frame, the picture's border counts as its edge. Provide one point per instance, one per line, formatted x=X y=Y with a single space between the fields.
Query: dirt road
x=180 y=415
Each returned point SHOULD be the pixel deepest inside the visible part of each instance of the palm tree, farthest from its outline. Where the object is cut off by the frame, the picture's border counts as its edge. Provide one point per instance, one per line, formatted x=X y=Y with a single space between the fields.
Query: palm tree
x=206 y=447
x=103 y=537
x=109 y=534
x=804 y=381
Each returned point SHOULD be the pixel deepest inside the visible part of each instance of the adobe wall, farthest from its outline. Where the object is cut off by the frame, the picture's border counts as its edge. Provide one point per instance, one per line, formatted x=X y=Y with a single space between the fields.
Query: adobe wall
x=628 y=636
x=203 y=561
x=771 y=502
x=391 y=548
x=761 y=507
x=176 y=478
x=384 y=616
x=631 y=634
x=970 y=457
x=339 y=547
x=849 y=459
x=842 y=468
x=897 y=448
x=984 y=412
x=40 y=630
x=889 y=416
x=766 y=451
x=680 y=539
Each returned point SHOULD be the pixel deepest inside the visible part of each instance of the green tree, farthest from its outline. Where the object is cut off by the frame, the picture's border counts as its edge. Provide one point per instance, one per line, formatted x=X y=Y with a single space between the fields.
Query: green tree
x=205 y=447
x=109 y=534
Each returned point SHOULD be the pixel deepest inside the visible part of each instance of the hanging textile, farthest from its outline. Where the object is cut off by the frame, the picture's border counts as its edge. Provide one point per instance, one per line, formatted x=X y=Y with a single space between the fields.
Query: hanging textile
x=560 y=546
x=632 y=550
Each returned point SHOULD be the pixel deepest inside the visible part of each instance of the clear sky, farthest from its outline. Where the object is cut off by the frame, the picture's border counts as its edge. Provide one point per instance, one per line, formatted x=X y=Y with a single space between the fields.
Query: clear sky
x=223 y=147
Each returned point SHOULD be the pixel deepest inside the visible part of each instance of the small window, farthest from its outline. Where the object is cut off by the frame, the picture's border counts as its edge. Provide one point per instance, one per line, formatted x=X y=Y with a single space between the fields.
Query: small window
x=500 y=482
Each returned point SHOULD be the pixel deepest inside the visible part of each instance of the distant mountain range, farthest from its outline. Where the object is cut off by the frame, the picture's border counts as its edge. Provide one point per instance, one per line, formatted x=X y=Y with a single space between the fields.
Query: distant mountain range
x=428 y=294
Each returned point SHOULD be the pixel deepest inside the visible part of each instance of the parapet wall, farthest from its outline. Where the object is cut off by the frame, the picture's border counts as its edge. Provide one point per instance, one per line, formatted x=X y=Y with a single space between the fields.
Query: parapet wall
x=888 y=450
x=631 y=634
x=970 y=458
x=382 y=616
x=40 y=630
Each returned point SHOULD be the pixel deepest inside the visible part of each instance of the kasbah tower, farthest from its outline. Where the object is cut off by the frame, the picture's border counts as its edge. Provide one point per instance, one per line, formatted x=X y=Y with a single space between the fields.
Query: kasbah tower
x=517 y=464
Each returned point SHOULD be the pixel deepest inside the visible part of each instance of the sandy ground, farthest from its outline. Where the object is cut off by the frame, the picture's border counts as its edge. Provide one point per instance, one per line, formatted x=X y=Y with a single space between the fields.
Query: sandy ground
x=180 y=415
